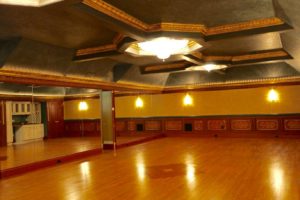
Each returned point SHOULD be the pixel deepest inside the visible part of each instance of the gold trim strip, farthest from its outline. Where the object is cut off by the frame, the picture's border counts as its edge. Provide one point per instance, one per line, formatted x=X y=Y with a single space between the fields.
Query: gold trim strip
x=254 y=24
x=116 y=13
x=99 y=49
x=274 y=54
x=124 y=17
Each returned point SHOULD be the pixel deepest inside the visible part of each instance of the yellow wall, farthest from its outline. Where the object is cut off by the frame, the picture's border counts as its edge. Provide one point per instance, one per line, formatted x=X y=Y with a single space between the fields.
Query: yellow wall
x=221 y=102
x=71 y=109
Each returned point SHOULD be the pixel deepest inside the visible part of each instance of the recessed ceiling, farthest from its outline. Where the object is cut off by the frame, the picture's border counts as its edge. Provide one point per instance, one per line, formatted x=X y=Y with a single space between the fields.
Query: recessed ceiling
x=257 y=40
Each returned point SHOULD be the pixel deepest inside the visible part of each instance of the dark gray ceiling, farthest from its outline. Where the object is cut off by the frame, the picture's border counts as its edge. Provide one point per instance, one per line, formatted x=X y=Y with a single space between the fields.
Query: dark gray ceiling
x=45 y=39
x=59 y=24
x=210 y=13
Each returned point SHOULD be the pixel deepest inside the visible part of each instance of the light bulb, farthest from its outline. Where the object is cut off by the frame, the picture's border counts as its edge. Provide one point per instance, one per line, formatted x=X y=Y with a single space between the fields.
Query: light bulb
x=187 y=100
x=139 y=103
x=273 y=96
x=83 y=106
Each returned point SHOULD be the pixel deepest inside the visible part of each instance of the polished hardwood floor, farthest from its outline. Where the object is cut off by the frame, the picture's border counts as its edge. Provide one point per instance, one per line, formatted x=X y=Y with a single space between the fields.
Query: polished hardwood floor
x=172 y=168
x=22 y=154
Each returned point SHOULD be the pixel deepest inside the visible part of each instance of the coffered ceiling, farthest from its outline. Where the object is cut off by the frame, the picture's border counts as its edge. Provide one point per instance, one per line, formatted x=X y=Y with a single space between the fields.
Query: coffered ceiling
x=83 y=42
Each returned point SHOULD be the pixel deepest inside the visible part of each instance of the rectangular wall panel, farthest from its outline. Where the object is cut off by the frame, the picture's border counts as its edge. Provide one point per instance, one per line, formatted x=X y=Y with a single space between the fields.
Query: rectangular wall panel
x=267 y=124
x=292 y=124
x=198 y=125
x=216 y=125
x=241 y=124
x=120 y=126
x=152 y=125
x=173 y=125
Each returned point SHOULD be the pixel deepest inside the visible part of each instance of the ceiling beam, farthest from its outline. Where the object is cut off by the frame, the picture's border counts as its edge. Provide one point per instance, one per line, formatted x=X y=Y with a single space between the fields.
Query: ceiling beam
x=23 y=77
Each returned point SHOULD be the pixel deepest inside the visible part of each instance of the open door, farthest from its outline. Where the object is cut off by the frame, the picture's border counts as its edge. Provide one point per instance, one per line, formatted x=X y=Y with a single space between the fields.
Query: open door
x=55 y=119
x=3 y=140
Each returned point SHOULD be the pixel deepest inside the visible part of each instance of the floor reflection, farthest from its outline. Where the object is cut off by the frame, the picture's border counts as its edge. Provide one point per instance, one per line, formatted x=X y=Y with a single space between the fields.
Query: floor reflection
x=277 y=179
x=140 y=166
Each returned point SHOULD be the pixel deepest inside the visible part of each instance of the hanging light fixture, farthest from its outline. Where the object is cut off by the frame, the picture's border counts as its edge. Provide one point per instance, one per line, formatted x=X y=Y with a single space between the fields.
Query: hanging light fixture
x=163 y=47
x=273 y=96
x=187 y=100
x=33 y=3
x=83 y=106
x=139 y=102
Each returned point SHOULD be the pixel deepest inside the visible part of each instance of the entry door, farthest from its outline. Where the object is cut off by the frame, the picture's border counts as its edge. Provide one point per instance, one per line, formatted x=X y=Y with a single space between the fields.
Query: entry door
x=2 y=124
x=55 y=118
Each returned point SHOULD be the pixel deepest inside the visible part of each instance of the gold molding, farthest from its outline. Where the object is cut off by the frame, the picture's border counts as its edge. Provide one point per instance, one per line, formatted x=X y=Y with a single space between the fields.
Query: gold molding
x=264 y=55
x=103 y=48
x=25 y=77
x=167 y=66
x=269 y=54
x=248 y=25
x=291 y=80
x=98 y=49
x=176 y=27
x=116 y=13
x=124 y=17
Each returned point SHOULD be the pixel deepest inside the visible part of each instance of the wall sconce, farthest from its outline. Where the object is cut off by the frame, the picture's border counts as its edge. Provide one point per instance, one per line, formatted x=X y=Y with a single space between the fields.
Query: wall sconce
x=273 y=96
x=187 y=100
x=139 y=102
x=83 y=106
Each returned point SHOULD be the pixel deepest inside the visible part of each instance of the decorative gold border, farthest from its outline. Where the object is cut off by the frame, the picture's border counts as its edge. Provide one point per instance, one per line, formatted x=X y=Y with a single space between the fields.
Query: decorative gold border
x=124 y=17
x=269 y=55
x=25 y=77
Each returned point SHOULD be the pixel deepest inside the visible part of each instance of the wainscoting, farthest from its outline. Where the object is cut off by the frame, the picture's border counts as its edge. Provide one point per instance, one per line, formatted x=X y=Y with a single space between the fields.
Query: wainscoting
x=223 y=126
x=81 y=128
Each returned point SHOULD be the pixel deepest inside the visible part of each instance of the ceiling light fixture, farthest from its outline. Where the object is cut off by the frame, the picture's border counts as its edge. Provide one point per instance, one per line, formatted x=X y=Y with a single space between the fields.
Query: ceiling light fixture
x=163 y=47
x=33 y=3
x=206 y=67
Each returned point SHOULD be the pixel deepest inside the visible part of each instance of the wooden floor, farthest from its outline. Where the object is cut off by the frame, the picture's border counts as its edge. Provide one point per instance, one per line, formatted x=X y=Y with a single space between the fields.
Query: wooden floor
x=172 y=168
x=22 y=154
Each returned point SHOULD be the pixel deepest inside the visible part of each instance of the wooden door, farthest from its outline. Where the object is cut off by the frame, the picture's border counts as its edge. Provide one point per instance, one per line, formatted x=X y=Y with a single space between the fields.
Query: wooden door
x=3 y=140
x=55 y=119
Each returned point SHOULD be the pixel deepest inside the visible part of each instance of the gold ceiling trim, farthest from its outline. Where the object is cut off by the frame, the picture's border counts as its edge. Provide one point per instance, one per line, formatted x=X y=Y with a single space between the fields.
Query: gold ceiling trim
x=103 y=48
x=270 y=54
x=240 y=84
x=254 y=24
x=168 y=66
x=32 y=78
x=116 y=13
x=98 y=49
x=266 y=55
x=124 y=17
x=176 y=27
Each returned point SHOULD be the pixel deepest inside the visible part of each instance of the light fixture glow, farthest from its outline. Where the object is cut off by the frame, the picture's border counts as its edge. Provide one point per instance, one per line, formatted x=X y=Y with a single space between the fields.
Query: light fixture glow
x=33 y=3
x=273 y=96
x=206 y=67
x=187 y=100
x=139 y=102
x=83 y=106
x=163 y=47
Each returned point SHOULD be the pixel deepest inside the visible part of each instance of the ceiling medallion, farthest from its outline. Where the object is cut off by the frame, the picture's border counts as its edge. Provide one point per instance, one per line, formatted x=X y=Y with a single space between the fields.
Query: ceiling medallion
x=163 y=47
x=206 y=67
